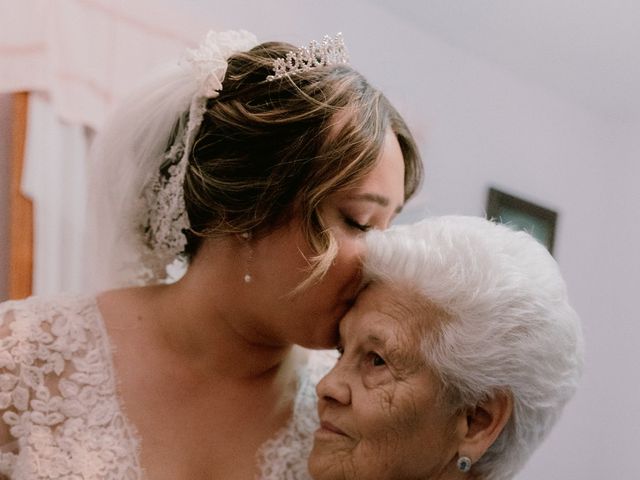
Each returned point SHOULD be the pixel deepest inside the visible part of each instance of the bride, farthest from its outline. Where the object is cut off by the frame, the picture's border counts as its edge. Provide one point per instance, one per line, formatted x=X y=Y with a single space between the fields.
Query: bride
x=258 y=167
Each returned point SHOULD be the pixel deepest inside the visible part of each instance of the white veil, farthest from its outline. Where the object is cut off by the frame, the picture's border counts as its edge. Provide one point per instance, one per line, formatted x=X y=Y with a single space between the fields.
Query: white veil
x=149 y=127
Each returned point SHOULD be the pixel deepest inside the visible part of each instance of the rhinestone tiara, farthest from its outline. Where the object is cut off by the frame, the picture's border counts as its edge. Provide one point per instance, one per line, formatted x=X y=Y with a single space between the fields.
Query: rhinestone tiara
x=330 y=52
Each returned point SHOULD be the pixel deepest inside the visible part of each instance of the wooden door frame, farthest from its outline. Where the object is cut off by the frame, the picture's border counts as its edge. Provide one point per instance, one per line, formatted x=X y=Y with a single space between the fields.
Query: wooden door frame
x=20 y=207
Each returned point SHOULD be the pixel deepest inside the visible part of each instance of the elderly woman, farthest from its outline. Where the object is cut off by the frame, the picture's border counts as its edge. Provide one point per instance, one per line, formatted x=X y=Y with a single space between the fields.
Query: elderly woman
x=456 y=360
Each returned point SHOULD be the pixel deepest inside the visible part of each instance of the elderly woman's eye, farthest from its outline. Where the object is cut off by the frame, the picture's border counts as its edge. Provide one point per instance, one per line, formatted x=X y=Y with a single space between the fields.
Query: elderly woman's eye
x=376 y=360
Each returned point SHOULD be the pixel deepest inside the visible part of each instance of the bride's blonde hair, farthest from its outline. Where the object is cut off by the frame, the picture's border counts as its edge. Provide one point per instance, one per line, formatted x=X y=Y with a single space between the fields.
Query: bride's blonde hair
x=269 y=150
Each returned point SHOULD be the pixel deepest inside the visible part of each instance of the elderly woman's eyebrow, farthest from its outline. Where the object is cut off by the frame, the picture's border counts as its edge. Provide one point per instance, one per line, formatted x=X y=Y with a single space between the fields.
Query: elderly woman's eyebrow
x=371 y=338
x=375 y=339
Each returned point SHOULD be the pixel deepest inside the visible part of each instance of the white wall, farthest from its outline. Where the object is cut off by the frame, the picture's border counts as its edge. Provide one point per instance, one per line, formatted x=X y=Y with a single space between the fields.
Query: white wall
x=478 y=125
x=5 y=135
x=485 y=127
x=612 y=387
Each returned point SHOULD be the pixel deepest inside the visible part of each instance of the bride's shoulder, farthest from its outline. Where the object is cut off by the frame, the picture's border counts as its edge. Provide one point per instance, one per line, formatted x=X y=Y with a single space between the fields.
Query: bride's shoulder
x=36 y=326
x=33 y=311
x=38 y=336
x=56 y=374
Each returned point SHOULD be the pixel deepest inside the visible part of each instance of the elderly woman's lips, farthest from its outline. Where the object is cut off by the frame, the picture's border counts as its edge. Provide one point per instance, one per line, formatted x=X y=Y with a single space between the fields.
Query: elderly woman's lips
x=329 y=427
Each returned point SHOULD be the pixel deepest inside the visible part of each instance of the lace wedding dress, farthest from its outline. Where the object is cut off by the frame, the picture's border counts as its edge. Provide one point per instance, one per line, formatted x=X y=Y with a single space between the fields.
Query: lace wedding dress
x=62 y=413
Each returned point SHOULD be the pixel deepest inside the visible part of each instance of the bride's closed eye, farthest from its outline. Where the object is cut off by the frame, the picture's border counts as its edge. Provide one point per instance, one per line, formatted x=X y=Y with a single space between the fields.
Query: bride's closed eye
x=363 y=227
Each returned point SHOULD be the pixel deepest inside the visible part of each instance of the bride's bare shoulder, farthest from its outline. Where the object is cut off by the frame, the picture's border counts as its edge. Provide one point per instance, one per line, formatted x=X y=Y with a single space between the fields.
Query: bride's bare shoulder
x=123 y=308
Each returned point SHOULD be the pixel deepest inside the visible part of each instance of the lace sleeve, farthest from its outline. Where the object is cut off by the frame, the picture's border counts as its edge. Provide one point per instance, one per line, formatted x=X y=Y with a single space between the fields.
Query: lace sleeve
x=59 y=412
x=8 y=381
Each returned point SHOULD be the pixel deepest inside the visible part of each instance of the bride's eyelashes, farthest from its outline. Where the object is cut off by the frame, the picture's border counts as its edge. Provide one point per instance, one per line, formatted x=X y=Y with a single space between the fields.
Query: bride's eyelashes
x=363 y=227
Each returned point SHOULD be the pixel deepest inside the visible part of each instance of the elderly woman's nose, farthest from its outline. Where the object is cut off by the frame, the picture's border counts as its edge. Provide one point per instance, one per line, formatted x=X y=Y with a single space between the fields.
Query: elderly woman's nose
x=333 y=387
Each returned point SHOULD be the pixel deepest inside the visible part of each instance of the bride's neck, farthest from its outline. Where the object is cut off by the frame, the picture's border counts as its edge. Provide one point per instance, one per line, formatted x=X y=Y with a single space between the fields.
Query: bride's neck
x=206 y=319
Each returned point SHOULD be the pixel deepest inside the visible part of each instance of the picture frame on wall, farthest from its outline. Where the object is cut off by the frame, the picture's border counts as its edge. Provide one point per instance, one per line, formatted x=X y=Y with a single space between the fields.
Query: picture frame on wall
x=520 y=214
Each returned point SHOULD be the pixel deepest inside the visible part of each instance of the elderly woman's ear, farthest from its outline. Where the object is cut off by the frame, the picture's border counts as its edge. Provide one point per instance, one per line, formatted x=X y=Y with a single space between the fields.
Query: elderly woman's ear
x=479 y=427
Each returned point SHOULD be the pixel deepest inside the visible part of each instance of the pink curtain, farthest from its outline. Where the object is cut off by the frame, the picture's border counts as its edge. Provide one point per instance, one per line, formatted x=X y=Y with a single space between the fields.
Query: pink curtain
x=86 y=53
x=78 y=57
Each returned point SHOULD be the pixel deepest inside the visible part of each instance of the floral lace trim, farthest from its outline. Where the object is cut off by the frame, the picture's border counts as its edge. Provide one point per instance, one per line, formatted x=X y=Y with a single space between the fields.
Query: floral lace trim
x=285 y=455
x=164 y=216
x=58 y=393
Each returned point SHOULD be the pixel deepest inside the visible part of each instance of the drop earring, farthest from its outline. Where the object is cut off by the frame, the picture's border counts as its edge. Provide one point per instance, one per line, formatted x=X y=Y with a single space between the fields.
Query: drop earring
x=247 y=276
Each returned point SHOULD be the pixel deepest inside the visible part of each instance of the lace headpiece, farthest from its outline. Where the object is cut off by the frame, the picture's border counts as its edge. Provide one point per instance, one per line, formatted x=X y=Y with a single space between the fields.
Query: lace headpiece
x=163 y=228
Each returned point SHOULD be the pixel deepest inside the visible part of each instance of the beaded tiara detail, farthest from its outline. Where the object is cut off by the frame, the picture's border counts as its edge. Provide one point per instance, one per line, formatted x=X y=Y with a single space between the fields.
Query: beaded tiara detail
x=331 y=51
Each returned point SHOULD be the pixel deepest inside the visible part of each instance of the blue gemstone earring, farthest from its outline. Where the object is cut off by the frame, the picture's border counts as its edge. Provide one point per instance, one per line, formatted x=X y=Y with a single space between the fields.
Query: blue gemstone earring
x=464 y=464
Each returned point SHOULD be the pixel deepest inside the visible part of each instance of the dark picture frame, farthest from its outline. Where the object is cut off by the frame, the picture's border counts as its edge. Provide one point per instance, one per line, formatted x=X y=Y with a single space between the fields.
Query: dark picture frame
x=521 y=214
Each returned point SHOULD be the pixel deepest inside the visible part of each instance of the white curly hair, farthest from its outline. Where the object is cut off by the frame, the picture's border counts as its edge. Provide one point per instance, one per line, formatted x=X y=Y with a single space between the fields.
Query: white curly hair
x=510 y=326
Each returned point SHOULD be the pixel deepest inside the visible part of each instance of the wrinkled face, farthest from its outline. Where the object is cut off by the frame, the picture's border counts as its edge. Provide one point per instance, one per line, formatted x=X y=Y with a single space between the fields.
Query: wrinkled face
x=379 y=411
x=280 y=260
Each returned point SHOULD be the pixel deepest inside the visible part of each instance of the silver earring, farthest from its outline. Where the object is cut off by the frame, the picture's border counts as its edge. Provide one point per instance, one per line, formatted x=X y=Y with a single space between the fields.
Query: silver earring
x=247 y=276
x=464 y=464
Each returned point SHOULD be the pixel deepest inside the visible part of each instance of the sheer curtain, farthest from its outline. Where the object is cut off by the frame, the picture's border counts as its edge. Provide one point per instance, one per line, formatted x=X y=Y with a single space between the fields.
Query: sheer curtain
x=55 y=178
x=79 y=57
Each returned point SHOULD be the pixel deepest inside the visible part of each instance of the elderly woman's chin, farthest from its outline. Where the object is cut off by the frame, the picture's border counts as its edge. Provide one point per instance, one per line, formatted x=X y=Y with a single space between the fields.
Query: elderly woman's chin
x=328 y=464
